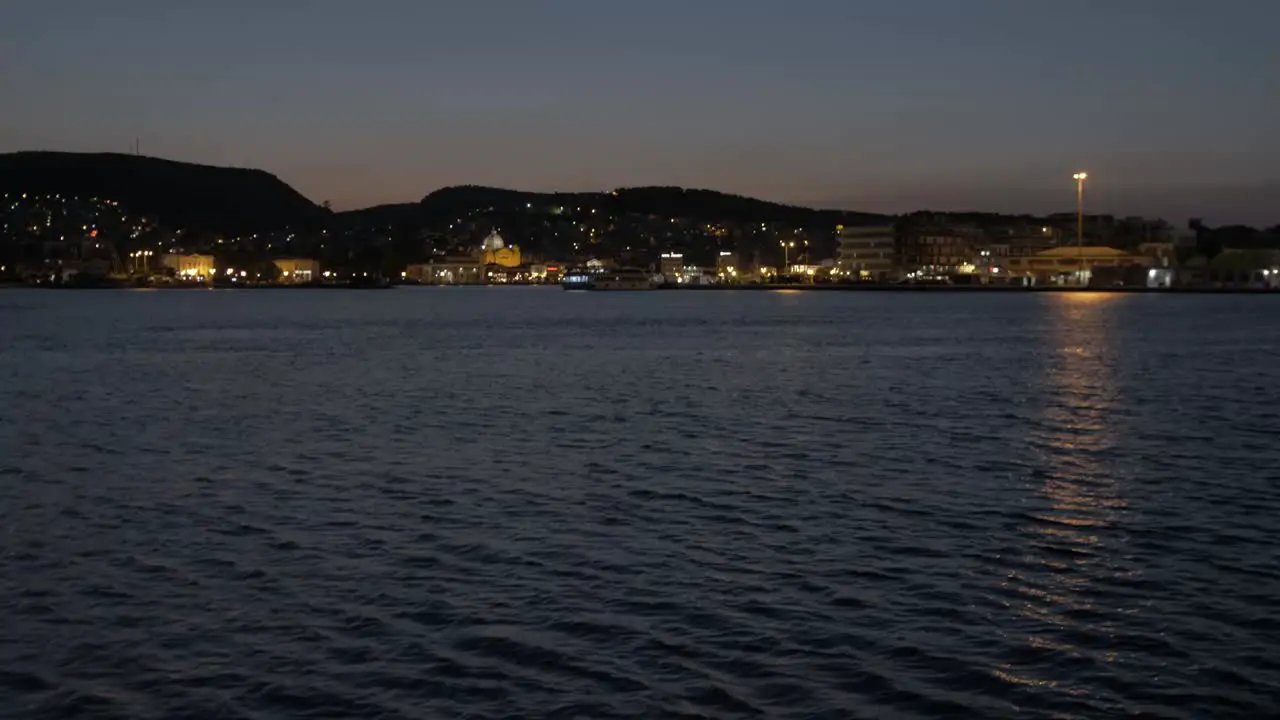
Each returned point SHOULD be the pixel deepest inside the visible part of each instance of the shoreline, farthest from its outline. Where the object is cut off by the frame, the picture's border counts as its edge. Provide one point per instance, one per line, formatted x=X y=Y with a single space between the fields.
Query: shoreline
x=189 y=288
x=1010 y=289
x=802 y=287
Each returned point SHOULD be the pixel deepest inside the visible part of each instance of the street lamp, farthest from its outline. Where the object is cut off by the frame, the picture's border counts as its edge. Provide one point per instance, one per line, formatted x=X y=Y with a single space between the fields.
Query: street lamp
x=785 y=246
x=1080 y=177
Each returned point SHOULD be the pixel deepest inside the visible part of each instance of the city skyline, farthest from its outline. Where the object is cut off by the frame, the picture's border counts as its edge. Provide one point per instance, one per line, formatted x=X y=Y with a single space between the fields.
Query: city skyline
x=879 y=107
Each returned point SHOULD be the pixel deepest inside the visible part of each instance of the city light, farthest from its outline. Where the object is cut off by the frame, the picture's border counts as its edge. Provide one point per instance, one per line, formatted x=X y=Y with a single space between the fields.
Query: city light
x=786 y=246
x=1080 y=177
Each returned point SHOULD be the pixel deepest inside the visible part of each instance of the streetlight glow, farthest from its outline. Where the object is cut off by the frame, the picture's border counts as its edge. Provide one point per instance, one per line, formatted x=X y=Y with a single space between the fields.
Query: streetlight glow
x=785 y=248
x=1080 y=177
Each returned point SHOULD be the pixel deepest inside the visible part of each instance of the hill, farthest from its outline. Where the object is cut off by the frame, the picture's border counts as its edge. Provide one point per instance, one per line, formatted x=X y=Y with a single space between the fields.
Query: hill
x=658 y=201
x=179 y=195
x=391 y=214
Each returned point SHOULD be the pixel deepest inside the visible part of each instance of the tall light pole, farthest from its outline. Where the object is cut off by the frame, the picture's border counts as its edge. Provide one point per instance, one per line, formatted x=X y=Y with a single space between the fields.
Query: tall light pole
x=785 y=261
x=1080 y=177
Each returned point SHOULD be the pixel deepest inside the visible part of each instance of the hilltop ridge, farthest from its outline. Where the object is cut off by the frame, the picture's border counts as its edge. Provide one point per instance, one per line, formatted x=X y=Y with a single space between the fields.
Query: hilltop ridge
x=668 y=201
x=179 y=194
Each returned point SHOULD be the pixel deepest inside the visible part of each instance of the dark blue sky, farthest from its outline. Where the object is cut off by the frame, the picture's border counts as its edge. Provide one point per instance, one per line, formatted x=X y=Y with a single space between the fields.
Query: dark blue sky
x=891 y=105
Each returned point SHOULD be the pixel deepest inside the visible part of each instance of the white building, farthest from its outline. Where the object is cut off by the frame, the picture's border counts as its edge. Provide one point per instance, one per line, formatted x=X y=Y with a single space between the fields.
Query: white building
x=189 y=267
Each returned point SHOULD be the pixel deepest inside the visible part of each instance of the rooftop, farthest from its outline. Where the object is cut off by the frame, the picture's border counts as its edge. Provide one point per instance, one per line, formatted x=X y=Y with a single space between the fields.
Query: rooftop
x=1076 y=251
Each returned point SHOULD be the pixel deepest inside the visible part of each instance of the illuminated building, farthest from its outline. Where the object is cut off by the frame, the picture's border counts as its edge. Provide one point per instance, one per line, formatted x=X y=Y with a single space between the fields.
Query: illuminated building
x=1072 y=265
x=727 y=266
x=671 y=266
x=937 y=251
x=496 y=252
x=465 y=270
x=189 y=267
x=297 y=271
x=494 y=261
x=805 y=272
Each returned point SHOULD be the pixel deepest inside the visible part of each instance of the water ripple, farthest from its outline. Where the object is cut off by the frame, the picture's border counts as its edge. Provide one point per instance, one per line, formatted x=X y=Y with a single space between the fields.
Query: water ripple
x=514 y=503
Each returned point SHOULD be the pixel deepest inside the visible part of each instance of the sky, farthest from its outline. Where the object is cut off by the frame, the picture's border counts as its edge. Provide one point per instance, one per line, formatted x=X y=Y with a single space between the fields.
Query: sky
x=1172 y=106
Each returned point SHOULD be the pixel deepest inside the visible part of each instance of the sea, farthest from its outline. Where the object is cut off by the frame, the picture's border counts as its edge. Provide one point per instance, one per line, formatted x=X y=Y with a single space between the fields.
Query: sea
x=529 y=503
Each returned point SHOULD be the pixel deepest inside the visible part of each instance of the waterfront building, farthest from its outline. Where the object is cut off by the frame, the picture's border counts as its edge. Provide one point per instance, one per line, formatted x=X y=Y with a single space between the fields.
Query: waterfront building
x=1072 y=265
x=995 y=252
x=448 y=270
x=991 y=254
x=297 y=271
x=189 y=267
x=540 y=273
x=698 y=276
x=867 y=253
x=493 y=262
x=800 y=272
x=938 y=251
x=727 y=267
x=671 y=266
x=519 y=275
x=494 y=251
x=417 y=273
x=1238 y=267
x=1162 y=254
x=1026 y=245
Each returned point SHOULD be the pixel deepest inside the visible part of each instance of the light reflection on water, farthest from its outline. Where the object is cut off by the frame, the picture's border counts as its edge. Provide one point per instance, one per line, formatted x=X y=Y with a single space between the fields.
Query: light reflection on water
x=1075 y=540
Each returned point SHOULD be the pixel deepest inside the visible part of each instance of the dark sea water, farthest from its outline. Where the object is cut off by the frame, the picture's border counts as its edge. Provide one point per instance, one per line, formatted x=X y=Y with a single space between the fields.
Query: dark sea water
x=505 y=502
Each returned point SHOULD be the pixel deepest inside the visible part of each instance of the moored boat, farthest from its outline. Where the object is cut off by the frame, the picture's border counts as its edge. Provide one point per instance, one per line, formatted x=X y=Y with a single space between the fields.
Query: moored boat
x=623 y=279
x=576 y=280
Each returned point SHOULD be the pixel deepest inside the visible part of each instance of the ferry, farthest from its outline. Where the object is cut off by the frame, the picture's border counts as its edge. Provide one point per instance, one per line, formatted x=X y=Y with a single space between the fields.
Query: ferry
x=577 y=280
x=623 y=279
x=620 y=279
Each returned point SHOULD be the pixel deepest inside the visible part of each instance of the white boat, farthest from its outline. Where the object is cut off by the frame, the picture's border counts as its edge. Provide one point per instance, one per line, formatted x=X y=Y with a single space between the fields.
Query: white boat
x=577 y=280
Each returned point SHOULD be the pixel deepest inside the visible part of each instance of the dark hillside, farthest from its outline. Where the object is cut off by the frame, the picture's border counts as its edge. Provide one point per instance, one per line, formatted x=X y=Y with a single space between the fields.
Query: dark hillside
x=179 y=195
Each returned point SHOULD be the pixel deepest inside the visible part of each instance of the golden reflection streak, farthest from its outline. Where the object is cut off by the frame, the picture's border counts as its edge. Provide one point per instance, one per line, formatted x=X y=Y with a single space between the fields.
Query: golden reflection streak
x=1080 y=397
x=1085 y=298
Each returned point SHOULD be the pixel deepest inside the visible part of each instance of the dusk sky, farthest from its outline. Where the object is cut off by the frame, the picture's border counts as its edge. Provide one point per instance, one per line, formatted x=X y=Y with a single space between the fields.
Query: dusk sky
x=1172 y=106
